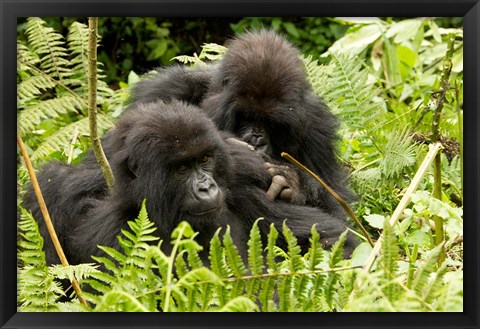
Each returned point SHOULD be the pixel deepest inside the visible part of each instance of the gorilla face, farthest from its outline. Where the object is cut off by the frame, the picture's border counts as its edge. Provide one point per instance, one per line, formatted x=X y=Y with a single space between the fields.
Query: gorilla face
x=257 y=136
x=203 y=197
x=175 y=161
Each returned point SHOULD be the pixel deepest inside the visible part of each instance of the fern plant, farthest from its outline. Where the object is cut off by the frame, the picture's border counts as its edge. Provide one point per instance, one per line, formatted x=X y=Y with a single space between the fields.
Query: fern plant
x=345 y=87
x=384 y=289
x=38 y=291
x=51 y=92
x=143 y=278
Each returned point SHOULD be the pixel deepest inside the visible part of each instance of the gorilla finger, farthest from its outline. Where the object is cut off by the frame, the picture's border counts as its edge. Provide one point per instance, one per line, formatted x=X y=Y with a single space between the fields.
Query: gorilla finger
x=286 y=195
x=272 y=172
x=278 y=184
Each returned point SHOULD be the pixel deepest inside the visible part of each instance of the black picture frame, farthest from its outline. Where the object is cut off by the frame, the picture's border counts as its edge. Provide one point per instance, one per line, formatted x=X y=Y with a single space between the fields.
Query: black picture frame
x=11 y=9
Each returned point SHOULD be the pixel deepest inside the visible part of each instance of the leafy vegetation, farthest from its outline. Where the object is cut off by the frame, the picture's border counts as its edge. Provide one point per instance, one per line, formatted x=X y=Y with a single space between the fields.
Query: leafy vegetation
x=383 y=78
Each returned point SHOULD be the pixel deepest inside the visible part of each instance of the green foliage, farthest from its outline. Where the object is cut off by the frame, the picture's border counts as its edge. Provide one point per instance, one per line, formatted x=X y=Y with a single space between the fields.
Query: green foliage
x=382 y=78
x=313 y=35
x=52 y=90
x=142 y=278
x=37 y=289
x=209 y=52
x=343 y=85
x=384 y=290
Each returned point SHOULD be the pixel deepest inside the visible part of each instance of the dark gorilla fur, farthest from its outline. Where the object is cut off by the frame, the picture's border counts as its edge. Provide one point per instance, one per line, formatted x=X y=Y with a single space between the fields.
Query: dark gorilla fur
x=260 y=93
x=146 y=149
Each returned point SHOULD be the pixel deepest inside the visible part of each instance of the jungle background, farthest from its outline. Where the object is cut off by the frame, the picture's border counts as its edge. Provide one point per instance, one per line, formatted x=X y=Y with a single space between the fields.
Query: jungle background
x=397 y=85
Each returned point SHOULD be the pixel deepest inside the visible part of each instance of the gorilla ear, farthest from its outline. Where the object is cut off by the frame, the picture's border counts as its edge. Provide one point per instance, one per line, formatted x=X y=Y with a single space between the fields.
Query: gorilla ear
x=132 y=166
x=125 y=164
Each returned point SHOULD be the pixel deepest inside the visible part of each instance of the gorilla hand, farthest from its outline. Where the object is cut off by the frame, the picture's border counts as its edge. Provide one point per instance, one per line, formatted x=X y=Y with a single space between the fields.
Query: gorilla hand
x=285 y=184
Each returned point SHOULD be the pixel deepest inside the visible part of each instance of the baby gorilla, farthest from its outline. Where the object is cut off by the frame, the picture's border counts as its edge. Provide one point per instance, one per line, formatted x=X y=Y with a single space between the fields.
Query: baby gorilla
x=173 y=156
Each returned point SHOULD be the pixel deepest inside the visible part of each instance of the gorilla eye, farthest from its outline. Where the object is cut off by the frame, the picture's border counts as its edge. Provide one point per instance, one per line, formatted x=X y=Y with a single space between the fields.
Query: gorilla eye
x=182 y=168
x=205 y=158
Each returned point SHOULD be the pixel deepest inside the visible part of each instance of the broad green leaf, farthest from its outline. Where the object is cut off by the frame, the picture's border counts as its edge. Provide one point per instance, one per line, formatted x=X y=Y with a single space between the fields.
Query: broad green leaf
x=418 y=237
x=375 y=220
x=404 y=30
x=355 y=42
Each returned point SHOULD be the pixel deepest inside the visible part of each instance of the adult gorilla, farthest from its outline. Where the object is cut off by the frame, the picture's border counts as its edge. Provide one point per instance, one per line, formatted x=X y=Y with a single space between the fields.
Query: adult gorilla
x=173 y=156
x=260 y=93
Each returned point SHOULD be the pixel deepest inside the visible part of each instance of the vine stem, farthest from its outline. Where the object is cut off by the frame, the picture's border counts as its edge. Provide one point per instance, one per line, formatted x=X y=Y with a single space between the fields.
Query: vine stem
x=46 y=216
x=437 y=165
x=342 y=202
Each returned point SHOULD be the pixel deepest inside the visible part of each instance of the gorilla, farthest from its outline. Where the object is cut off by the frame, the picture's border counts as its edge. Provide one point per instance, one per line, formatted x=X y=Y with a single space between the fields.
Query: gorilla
x=260 y=93
x=173 y=156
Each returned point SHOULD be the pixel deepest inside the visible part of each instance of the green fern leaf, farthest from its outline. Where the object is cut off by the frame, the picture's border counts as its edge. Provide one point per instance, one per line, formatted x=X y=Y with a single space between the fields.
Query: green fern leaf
x=423 y=273
x=234 y=263
x=30 y=117
x=389 y=261
x=50 y=44
x=37 y=289
x=255 y=250
x=32 y=87
x=398 y=153
x=345 y=88
x=336 y=256
x=79 y=272
x=239 y=304
x=61 y=139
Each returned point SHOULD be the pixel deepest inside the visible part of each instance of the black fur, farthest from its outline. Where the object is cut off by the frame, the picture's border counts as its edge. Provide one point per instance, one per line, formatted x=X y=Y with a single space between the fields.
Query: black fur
x=261 y=85
x=144 y=149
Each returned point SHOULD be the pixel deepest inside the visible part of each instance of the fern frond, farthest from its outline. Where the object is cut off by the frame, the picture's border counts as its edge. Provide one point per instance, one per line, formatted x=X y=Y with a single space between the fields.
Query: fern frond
x=210 y=52
x=218 y=264
x=79 y=272
x=255 y=250
x=295 y=259
x=336 y=256
x=240 y=304
x=234 y=263
x=255 y=259
x=50 y=45
x=25 y=58
x=345 y=88
x=389 y=261
x=120 y=301
x=31 y=87
x=268 y=285
x=434 y=286
x=61 y=139
x=450 y=297
x=216 y=256
x=315 y=258
x=32 y=116
x=424 y=272
x=77 y=39
x=37 y=289
x=398 y=153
